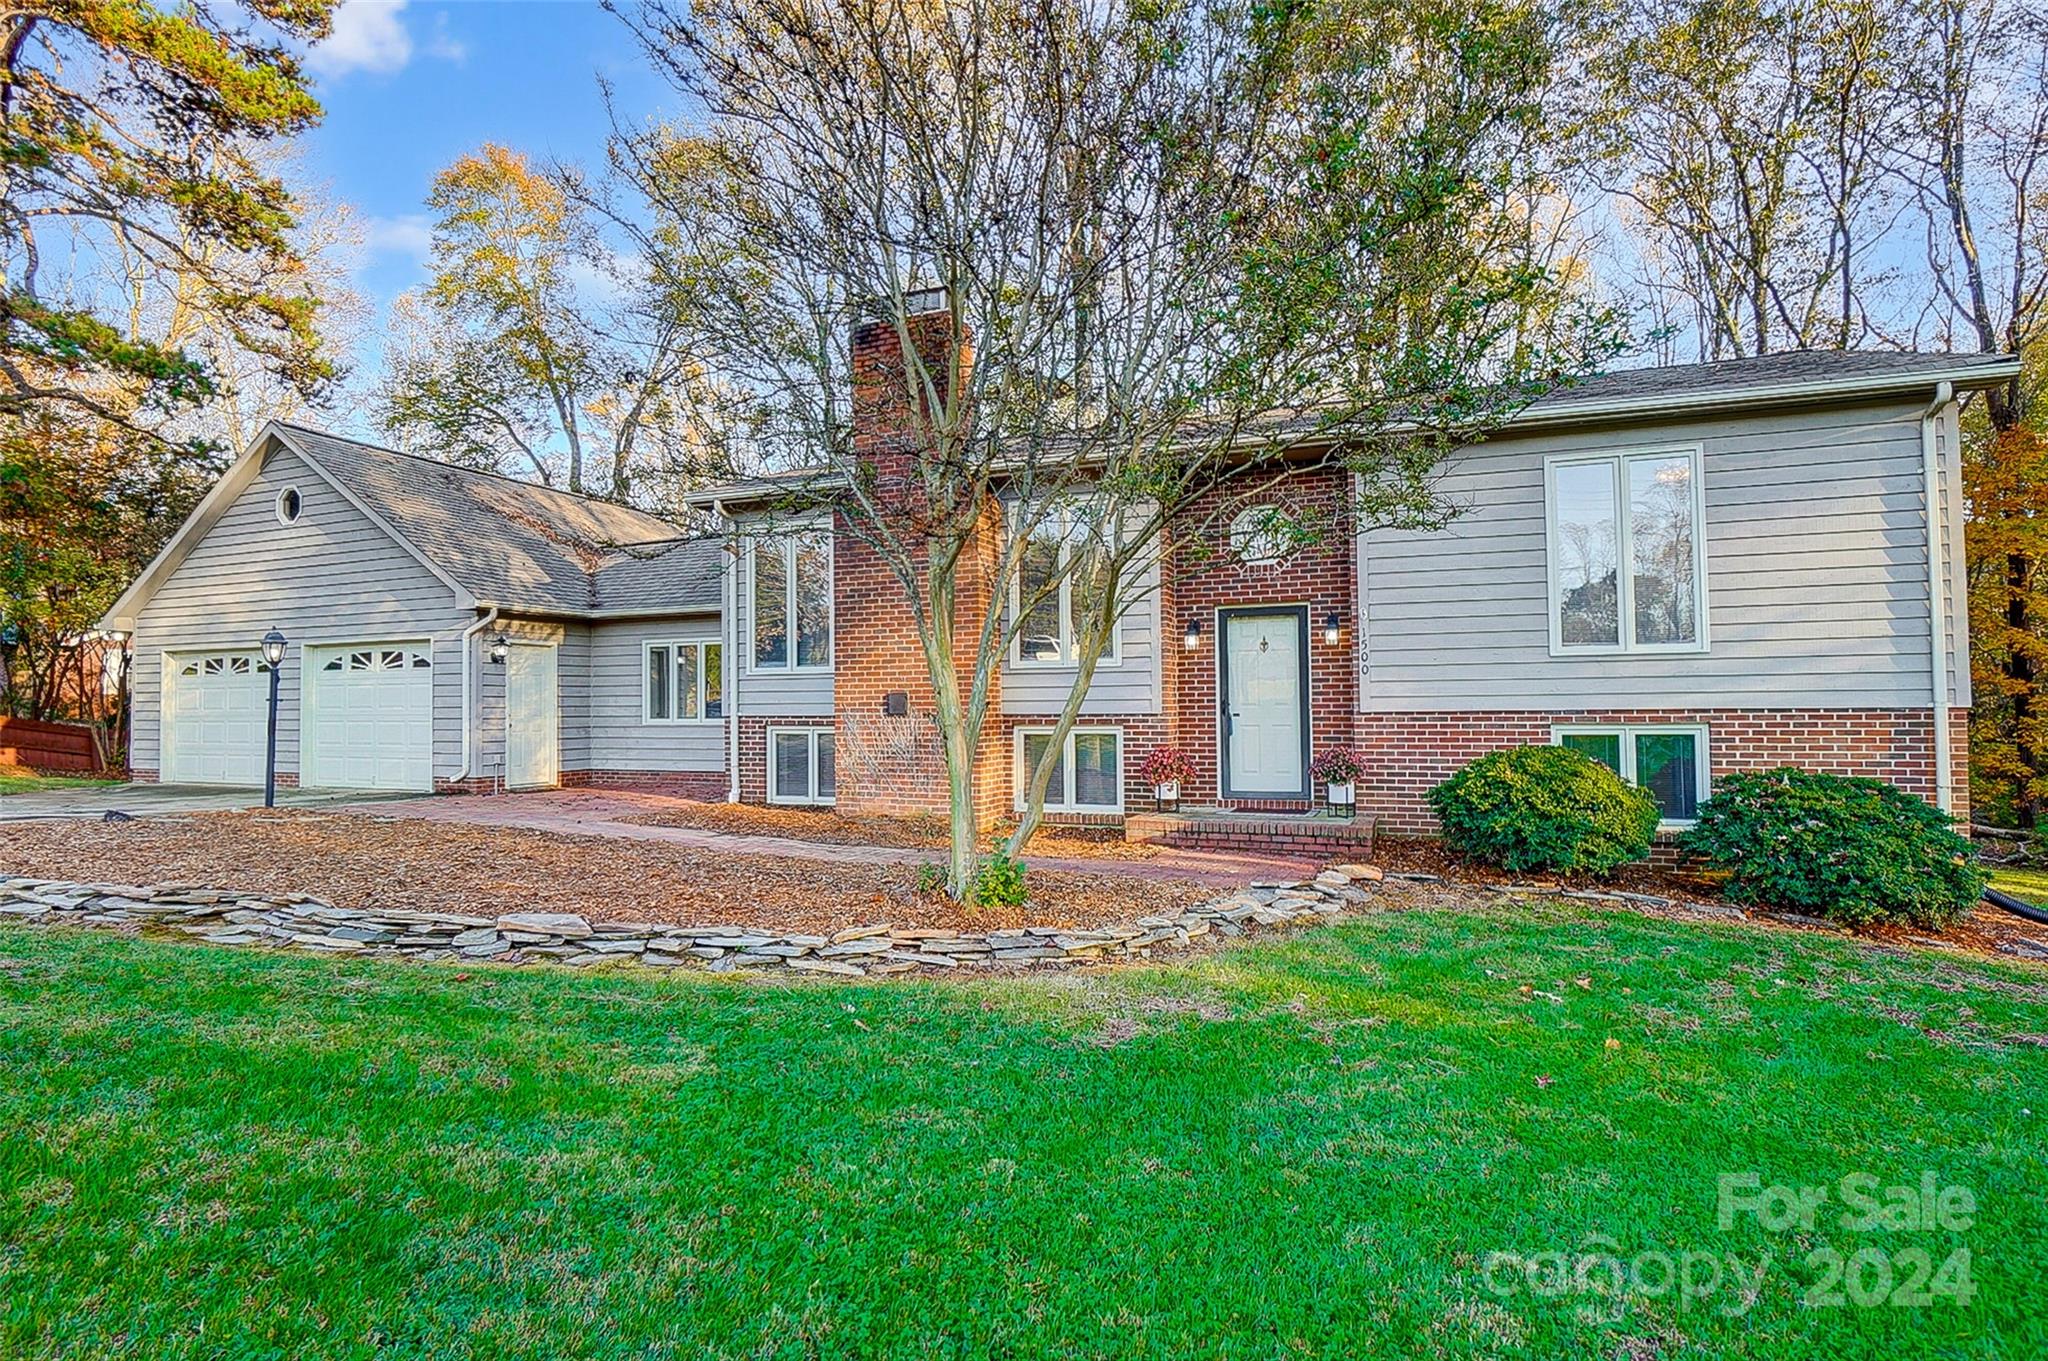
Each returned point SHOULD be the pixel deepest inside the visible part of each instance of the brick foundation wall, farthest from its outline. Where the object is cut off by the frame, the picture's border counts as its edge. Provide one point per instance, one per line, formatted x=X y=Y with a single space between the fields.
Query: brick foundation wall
x=709 y=785
x=1408 y=754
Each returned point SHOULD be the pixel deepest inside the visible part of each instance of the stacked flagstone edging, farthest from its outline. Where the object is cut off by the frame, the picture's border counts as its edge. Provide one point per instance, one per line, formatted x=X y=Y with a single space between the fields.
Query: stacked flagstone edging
x=301 y=921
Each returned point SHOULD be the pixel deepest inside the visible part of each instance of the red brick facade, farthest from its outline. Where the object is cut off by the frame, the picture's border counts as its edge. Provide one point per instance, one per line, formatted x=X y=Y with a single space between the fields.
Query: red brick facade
x=1322 y=578
x=895 y=764
x=1408 y=754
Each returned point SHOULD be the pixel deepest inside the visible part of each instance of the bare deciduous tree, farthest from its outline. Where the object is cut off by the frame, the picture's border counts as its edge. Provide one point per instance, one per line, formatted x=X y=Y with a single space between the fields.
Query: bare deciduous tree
x=1192 y=248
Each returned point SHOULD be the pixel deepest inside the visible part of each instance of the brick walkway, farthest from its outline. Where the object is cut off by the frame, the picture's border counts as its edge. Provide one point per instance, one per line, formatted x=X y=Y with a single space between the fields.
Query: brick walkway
x=588 y=812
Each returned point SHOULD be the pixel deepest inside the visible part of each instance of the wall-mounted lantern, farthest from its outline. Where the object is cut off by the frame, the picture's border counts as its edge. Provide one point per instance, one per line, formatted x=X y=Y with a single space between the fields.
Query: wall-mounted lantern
x=1333 y=628
x=1192 y=639
x=497 y=648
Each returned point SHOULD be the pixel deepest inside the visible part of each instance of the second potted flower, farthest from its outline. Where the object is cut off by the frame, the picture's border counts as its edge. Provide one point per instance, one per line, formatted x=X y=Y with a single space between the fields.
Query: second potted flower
x=1164 y=768
x=1338 y=771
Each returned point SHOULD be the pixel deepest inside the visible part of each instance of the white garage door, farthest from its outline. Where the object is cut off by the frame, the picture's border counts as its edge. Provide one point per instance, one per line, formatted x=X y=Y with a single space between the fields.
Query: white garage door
x=369 y=717
x=214 y=712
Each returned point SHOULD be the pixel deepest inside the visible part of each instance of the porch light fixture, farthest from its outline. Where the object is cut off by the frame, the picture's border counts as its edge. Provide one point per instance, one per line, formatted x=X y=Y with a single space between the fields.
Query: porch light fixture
x=1192 y=639
x=1332 y=628
x=273 y=644
x=497 y=648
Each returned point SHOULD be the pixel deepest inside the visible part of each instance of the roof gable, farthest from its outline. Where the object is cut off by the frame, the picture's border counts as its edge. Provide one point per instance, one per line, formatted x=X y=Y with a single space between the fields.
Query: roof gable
x=494 y=541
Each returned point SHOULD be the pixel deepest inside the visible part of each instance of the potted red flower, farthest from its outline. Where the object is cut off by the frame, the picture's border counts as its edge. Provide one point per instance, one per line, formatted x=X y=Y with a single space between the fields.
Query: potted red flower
x=1338 y=771
x=1164 y=768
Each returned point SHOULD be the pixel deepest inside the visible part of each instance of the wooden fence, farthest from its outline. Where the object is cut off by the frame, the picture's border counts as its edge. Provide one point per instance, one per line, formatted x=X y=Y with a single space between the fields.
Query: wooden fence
x=69 y=747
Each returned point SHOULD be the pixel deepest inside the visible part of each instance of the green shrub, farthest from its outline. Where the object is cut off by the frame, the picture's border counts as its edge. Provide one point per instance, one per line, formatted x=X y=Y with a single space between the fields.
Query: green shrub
x=1852 y=850
x=1545 y=808
x=998 y=880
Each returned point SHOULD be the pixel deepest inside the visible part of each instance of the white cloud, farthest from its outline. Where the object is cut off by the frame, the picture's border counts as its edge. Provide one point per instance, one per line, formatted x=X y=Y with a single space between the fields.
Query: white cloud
x=445 y=45
x=372 y=35
x=368 y=35
x=411 y=234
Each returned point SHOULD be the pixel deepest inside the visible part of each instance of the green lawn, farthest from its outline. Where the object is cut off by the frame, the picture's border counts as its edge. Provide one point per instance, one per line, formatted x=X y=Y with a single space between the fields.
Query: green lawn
x=1309 y=1147
x=15 y=780
x=2030 y=885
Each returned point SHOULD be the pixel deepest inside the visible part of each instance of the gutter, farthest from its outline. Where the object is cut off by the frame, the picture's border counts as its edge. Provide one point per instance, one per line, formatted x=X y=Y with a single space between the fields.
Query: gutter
x=1937 y=647
x=468 y=706
x=728 y=629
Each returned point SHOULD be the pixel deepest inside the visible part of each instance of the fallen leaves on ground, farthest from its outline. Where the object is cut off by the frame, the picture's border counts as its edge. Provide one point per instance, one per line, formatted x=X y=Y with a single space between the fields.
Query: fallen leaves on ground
x=371 y=861
x=925 y=831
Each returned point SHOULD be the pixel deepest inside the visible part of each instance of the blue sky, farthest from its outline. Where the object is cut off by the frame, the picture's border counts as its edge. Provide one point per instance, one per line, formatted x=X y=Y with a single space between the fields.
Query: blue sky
x=409 y=86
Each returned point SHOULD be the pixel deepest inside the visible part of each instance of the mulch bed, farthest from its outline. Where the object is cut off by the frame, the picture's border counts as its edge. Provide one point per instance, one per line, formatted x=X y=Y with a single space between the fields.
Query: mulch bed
x=367 y=861
x=923 y=832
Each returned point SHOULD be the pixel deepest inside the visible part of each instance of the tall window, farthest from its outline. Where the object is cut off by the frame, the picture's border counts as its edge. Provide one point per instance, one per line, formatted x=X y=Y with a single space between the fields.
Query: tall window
x=1626 y=571
x=1087 y=775
x=683 y=683
x=792 y=605
x=1669 y=762
x=1062 y=575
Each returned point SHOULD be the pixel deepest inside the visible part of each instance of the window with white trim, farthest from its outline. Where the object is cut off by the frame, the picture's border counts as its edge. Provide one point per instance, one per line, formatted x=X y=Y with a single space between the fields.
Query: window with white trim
x=1670 y=762
x=1087 y=775
x=682 y=682
x=792 y=601
x=802 y=766
x=1627 y=571
x=1062 y=571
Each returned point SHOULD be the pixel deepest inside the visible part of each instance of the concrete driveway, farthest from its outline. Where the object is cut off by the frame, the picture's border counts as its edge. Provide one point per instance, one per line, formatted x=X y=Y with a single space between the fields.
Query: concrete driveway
x=151 y=800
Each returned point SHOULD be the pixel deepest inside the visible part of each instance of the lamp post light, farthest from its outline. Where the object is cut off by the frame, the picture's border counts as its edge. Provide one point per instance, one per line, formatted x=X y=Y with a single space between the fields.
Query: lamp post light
x=273 y=655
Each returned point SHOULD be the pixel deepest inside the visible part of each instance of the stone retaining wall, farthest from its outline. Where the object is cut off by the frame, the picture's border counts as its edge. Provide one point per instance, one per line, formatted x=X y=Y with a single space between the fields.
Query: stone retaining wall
x=301 y=921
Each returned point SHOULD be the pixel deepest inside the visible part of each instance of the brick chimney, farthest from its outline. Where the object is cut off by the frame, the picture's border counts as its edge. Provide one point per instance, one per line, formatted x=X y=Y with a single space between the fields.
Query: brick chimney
x=893 y=763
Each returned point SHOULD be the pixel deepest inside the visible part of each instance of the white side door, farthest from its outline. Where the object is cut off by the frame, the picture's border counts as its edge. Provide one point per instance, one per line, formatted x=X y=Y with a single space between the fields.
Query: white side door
x=215 y=718
x=532 y=717
x=368 y=717
x=1264 y=705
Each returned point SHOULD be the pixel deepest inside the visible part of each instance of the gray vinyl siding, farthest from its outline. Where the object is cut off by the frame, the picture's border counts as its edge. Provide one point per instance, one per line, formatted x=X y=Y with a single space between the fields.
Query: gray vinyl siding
x=777 y=694
x=1816 y=564
x=1132 y=686
x=488 y=761
x=331 y=577
x=618 y=736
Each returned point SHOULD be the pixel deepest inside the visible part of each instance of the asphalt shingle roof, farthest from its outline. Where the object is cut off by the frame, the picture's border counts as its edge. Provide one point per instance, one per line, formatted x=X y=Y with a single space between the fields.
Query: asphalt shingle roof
x=1733 y=377
x=518 y=545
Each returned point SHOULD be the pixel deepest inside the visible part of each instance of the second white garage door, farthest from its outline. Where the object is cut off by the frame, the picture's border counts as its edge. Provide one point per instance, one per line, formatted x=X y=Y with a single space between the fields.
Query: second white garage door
x=369 y=717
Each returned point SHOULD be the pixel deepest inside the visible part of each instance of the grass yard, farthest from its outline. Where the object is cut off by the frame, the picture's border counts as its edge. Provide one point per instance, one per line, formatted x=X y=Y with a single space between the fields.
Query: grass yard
x=2025 y=883
x=21 y=780
x=1305 y=1147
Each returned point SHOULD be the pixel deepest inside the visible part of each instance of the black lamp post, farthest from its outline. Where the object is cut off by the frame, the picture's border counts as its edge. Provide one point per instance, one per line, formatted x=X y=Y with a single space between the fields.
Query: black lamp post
x=273 y=654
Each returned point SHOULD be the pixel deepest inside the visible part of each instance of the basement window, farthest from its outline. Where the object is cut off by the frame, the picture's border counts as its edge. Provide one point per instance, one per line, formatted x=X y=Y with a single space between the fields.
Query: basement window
x=801 y=766
x=1670 y=762
x=1087 y=776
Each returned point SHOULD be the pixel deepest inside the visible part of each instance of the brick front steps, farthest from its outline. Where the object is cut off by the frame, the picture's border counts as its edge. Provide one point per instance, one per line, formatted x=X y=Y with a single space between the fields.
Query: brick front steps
x=1278 y=833
x=300 y=921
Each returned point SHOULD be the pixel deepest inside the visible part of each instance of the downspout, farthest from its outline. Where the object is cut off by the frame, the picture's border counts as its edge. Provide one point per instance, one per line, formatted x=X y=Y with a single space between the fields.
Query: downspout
x=1937 y=651
x=468 y=708
x=728 y=628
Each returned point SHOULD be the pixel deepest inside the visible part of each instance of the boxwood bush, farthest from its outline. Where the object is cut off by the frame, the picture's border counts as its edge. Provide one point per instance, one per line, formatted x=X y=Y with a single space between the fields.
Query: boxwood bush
x=1545 y=808
x=1849 y=849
